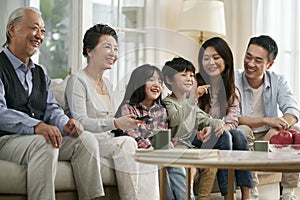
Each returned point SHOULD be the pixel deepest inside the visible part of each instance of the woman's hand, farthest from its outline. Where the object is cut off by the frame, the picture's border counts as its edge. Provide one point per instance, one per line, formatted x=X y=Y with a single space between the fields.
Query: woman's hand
x=219 y=129
x=73 y=128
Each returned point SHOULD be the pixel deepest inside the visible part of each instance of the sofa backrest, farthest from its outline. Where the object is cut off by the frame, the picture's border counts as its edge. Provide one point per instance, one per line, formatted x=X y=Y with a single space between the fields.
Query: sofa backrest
x=58 y=87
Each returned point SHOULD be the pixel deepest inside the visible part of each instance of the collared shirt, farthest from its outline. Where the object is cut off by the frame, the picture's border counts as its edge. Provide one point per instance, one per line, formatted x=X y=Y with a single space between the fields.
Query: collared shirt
x=277 y=95
x=158 y=120
x=19 y=122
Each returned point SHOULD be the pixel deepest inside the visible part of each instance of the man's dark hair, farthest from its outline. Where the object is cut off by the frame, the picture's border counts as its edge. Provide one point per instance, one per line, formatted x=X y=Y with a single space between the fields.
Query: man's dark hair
x=267 y=43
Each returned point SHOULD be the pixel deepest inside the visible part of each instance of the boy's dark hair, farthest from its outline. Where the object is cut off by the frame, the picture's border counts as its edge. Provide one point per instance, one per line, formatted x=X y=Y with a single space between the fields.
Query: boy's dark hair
x=174 y=66
x=267 y=43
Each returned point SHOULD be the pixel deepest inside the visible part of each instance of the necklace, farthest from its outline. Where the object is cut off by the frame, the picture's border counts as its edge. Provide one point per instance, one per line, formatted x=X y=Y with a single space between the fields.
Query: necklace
x=100 y=85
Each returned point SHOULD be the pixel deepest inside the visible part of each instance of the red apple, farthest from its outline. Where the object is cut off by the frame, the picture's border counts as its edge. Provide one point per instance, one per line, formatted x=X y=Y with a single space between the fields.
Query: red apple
x=282 y=137
x=296 y=136
x=296 y=139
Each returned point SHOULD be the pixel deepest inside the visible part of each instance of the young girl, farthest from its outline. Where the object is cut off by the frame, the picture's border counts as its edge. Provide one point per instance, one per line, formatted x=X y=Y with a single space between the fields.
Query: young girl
x=143 y=98
x=221 y=101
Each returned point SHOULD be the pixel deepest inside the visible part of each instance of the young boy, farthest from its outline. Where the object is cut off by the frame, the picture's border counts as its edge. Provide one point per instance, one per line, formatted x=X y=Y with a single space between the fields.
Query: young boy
x=190 y=126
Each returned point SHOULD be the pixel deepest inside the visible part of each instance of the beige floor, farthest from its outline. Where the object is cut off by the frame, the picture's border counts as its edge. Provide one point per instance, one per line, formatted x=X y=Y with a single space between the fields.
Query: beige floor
x=267 y=192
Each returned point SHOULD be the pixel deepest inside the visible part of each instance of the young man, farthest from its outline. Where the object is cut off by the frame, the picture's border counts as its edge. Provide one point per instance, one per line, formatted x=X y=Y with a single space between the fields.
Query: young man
x=262 y=91
x=33 y=128
x=191 y=126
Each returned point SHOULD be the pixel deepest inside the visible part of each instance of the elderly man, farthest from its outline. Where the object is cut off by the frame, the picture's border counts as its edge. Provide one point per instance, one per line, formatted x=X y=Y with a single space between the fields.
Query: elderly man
x=33 y=128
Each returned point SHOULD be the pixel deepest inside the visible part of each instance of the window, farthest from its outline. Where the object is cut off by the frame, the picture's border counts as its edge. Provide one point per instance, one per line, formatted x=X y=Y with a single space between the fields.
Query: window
x=58 y=52
x=53 y=54
x=127 y=18
x=279 y=19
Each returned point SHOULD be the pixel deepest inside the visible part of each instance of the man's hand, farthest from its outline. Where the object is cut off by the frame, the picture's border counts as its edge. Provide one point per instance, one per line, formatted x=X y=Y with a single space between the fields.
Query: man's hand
x=51 y=133
x=73 y=128
x=270 y=133
x=278 y=123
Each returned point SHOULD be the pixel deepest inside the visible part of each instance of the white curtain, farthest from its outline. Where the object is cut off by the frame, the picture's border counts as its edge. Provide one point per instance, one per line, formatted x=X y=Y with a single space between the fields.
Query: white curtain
x=280 y=19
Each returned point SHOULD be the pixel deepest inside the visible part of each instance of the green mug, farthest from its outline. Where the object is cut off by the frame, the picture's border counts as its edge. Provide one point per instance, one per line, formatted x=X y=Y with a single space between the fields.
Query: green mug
x=161 y=138
x=261 y=145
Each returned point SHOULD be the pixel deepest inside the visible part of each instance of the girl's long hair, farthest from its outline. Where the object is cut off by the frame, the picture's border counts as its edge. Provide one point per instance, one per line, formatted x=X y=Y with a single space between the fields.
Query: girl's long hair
x=135 y=91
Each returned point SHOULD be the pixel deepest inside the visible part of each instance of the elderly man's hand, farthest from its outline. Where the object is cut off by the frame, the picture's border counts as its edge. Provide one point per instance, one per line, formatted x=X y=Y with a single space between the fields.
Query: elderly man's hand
x=51 y=133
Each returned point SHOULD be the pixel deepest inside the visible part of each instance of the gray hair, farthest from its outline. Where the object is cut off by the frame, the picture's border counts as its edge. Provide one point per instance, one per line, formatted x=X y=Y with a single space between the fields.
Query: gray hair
x=16 y=17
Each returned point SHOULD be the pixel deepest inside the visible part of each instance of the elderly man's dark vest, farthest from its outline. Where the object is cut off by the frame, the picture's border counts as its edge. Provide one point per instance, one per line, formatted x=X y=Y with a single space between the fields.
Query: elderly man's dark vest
x=16 y=96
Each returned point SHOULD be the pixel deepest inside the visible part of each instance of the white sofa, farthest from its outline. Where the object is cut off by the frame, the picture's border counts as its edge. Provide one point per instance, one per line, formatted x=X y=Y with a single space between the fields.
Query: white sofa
x=13 y=176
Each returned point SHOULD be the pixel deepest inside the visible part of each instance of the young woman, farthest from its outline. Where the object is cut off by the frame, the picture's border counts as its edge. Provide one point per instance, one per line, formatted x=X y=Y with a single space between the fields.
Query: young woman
x=222 y=100
x=143 y=98
x=89 y=99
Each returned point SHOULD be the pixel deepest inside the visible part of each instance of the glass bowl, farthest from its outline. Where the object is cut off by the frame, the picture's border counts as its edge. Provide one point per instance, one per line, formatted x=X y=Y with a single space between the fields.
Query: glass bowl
x=294 y=148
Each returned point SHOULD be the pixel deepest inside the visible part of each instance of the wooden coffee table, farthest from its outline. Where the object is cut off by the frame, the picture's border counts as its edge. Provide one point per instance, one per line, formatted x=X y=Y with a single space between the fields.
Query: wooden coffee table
x=226 y=159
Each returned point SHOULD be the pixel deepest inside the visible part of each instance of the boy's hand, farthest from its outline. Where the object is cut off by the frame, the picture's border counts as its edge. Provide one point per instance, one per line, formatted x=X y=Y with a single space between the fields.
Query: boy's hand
x=204 y=134
x=201 y=90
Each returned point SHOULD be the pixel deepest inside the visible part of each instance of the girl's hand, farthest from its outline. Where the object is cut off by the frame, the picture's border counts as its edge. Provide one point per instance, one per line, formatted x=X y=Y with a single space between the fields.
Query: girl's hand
x=201 y=90
x=143 y=143
x=174 y=141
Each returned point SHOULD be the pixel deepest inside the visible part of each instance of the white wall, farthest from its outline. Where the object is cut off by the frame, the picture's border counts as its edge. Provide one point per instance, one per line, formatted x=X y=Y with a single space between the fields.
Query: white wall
x=163 y=21
x=238 y=16
x=239 y=27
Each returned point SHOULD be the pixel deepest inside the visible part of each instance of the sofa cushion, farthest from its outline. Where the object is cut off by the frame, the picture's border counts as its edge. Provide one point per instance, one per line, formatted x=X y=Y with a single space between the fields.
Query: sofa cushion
x=13 y=178
x=108 y=172
x=64 y=180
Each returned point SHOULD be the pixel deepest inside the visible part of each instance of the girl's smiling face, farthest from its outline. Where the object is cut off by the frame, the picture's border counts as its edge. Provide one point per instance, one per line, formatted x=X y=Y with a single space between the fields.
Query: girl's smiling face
x=153 y=87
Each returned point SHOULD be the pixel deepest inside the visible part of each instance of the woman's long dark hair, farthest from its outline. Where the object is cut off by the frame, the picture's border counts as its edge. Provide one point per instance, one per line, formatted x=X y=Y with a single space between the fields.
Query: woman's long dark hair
x=135 y=90
x=227 y=88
